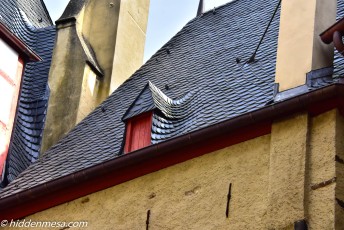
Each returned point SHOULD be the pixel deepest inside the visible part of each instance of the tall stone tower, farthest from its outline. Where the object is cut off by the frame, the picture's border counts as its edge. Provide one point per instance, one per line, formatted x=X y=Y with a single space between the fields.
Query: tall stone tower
x=100 y=43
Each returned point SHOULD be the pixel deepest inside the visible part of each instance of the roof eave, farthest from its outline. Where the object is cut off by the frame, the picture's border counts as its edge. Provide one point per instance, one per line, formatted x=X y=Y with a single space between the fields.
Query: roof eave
x=16 y=43
x=165 y=154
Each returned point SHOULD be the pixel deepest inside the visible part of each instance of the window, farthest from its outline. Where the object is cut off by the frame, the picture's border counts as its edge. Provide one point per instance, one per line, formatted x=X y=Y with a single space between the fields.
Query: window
x=11 y=68
x=138 y=132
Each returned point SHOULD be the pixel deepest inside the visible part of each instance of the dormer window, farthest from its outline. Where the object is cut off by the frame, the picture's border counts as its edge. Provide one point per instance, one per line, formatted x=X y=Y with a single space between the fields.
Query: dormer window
x=154 y=117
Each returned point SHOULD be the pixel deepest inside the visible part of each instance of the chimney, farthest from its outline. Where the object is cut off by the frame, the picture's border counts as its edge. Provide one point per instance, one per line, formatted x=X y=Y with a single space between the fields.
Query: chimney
x=300 y=49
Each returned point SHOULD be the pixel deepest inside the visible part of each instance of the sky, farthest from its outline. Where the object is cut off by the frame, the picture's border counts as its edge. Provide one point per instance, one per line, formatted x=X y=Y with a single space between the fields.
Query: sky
x=166 y=18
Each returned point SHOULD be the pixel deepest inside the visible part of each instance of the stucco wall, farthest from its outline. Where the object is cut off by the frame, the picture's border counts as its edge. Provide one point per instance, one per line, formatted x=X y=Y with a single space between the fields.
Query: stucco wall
x=89 y=92
x=130 y=41
x=287 y=171
x=190 y=195
x=319 y=202
x=339 y=172
x=65 y=82
x=100 y=28
x=277 y=179
x=300 y=49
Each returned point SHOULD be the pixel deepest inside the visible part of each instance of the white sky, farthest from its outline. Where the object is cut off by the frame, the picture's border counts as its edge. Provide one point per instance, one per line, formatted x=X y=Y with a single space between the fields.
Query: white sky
x=166 y=18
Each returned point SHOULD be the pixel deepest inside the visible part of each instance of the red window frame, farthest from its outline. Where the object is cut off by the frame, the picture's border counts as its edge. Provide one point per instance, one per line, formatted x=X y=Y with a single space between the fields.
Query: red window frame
x=138 y=132
x=7 y=128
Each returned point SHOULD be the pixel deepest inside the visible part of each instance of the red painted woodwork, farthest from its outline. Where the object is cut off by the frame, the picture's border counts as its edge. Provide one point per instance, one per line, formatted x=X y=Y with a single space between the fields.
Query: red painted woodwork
x=3 y=155
x=138 y=133
x=7 y=78
x=9 y=94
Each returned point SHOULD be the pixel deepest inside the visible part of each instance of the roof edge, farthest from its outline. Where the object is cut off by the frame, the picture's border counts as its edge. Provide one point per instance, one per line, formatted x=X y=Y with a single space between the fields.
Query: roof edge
x=124 y=117
x=72 y=9
x=152 y=158
x=18 y=44
x=66 y=20
x=47 y=12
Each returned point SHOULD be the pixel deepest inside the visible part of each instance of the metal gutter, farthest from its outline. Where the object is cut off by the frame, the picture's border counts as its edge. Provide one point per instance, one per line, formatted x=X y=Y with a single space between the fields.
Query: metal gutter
x=173 y=151
x=17 y=44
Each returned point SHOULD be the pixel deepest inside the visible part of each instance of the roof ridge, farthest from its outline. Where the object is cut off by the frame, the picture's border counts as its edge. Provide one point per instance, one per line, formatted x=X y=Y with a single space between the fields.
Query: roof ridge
x=220 y=6
x=47 y=12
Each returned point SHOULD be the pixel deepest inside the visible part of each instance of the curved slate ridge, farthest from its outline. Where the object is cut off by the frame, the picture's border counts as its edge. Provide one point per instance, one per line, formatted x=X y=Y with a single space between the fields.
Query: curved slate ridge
x=151 y=97
x=173 y=109
x=36 y=12
x=18 y=23
x=173 y=116
x=164 y=128
x=32 y=106
x=21 y=17
x=201 y=56
x=170 y=116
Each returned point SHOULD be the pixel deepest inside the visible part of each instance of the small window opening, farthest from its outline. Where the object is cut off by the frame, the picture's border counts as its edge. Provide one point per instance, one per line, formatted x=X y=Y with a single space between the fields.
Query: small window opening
x=138 y=132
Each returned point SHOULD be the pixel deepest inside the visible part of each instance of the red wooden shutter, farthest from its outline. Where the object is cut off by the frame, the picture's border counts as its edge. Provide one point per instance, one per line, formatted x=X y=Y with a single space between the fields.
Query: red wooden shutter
x=11 y=69
x=138 y=133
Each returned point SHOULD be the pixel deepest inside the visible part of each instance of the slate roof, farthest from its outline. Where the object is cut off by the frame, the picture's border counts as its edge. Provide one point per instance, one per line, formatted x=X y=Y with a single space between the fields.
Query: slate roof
x=30 y=21
x=201 y=58
x=36 y=12
x=201 y=61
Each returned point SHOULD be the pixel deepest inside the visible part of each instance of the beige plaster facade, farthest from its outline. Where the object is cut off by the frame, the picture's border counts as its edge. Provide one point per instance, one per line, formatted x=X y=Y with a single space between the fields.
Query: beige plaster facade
x=190 y=195
x=106 y=35
x=65 y=81
x=287 y=171
x=274 y=183
x=300 y=49
x=130 y=41
x=339 y=190
x=90 y=87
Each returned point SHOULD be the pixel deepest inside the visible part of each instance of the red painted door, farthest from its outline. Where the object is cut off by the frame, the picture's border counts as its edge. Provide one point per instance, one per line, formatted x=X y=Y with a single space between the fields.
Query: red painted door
x=11 y=69
x=138 y=132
